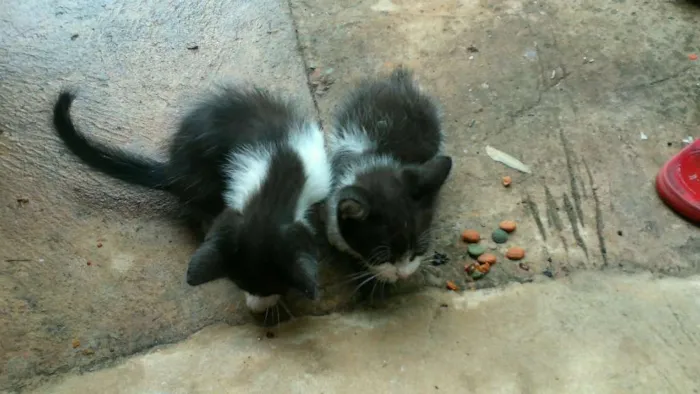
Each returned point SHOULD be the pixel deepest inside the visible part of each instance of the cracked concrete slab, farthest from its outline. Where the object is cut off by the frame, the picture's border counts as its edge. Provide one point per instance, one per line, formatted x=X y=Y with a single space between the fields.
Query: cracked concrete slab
x=92 y=270
x=565 y=86
x=86 y=258
x=585 y=334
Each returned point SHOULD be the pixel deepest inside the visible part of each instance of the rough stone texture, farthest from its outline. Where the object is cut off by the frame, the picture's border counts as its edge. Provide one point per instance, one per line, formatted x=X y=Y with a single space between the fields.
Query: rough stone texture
x=584 y=334
x=567 y=86
x=85 y=257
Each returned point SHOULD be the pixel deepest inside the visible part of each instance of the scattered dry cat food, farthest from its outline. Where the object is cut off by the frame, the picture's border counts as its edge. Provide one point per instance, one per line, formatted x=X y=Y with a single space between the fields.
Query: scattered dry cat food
x=476 y=274
x=99 y=244
x=451 y=285
x=508 y=226
x=487 y=258
x=515 y=253
x=506 y=180
x=471 y=236
x=76 y=343
x=476 y=270
x=499 y=236
x=524 y=266
x=693 y=57
x=483 y=268
x=476 y=250
x=470 y=268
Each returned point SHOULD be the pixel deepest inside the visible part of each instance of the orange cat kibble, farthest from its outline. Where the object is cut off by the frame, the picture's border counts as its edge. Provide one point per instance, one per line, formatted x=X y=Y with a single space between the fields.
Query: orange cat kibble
x=471 y=236
x=451 y=285
x=508 y=226
x=515 y=253
x=506 y=180
x=487 y=258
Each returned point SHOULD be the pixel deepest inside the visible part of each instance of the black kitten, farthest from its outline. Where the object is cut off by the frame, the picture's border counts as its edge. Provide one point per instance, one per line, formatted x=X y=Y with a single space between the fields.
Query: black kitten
x=247 y=163
x=385 y=153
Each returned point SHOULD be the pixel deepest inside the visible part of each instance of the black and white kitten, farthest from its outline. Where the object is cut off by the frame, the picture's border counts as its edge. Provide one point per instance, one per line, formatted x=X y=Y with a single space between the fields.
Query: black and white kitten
x=386 y=157
x=249 y=165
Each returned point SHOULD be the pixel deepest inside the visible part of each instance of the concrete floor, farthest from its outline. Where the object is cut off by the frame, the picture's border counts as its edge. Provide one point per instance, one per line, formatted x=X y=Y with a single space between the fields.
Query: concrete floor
x=93 y=272
x=584 y=334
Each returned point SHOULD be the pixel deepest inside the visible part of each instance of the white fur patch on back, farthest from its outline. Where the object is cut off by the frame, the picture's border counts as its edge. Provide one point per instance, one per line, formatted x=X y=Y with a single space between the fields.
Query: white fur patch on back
x=349 y=140
x=246 y=170
x=308 y=143
x=367 y=164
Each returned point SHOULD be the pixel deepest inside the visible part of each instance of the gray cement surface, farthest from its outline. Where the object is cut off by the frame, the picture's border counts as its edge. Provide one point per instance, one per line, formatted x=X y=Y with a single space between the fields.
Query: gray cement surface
x=593 y=95
x=584 y=334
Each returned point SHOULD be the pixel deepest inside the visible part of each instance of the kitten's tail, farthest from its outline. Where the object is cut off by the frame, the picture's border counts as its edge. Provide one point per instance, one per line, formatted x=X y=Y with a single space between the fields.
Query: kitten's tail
x=112 y=161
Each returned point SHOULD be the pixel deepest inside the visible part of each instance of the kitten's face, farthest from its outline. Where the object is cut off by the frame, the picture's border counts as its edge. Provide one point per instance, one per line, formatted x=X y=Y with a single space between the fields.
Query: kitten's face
x=263 y=259
x=384 y=218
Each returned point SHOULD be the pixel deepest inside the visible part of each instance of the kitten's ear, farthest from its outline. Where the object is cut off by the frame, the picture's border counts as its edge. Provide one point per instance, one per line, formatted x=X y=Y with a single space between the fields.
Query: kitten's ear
x=352 y=203
x=205 y=265
x=305 y=277
x=429 y=177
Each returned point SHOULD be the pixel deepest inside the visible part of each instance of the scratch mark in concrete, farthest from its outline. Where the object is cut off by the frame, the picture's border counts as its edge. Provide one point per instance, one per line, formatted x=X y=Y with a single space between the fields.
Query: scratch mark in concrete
x=569 y=208
x=599 y=225
x=535 y=212
x=568 y=154
x=553 y=210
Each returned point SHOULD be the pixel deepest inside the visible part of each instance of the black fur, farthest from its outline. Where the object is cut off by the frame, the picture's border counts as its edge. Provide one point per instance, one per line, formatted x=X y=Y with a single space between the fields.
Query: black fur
x=261 y=248
x=112 y=161
x=386 y=213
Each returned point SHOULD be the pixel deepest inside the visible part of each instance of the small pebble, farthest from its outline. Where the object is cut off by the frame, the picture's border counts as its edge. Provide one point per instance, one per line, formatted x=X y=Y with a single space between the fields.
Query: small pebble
x=515 y=253
x=508 y=226
x=524 y=266
x=548 y=273
x=75 y=343
x=471 y=236
x=499 y=236
x=475 y=250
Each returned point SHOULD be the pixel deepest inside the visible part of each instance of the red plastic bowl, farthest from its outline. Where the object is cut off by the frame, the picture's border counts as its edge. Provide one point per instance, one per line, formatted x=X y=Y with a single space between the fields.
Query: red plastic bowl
x=678 y=182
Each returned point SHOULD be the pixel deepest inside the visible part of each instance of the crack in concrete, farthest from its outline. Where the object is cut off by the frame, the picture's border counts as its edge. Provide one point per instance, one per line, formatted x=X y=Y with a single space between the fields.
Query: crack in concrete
x=304 y=62
x=667 y=78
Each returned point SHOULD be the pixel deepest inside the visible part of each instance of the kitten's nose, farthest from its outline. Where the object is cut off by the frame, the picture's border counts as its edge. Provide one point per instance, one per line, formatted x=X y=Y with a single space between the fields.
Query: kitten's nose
x=403 y=275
